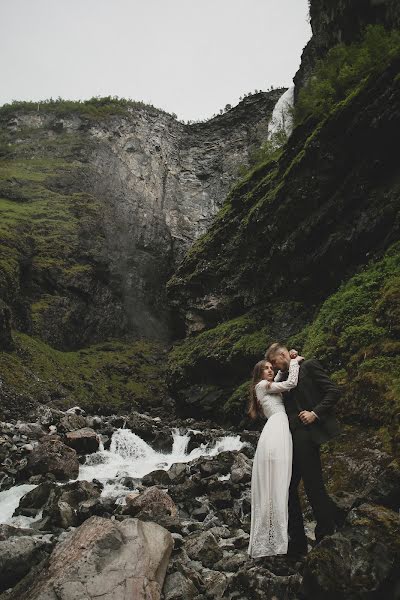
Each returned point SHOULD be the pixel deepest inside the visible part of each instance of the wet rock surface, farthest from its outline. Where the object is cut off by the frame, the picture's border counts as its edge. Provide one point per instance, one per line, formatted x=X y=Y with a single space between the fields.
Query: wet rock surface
x=104 y=558
x=205 y=505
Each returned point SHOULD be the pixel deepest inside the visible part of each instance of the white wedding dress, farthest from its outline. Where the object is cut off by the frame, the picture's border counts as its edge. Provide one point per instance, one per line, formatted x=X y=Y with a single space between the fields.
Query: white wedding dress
x=272 y=470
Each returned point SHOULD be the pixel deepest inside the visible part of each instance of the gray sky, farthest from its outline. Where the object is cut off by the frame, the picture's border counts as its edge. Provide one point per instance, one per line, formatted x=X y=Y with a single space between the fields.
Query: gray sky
x=191 y=57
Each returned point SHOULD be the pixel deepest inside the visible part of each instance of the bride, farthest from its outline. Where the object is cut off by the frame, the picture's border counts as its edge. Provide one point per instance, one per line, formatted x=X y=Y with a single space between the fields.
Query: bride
x=272 y=465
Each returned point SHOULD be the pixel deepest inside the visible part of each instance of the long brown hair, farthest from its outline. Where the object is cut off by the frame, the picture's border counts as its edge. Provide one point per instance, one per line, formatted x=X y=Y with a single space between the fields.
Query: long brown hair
x=254 y=408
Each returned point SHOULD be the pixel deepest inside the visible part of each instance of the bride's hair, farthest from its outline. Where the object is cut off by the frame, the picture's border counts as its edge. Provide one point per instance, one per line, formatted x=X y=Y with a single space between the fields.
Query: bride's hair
x=254 y=409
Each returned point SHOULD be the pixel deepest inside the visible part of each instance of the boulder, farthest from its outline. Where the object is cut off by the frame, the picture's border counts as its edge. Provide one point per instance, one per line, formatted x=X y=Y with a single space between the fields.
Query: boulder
x=18 y=554
x=241 y=469
x=203 y=546
x=84 y=441
x=149 y=501
x=71 y=422
x=52 y=456
x=386 y=490
x=178 y=472
x=103 y=558
x=177 y=587
x=7 y=531
x=220 y=464
x=359 y=561
x=258 y=582
x=158 y=477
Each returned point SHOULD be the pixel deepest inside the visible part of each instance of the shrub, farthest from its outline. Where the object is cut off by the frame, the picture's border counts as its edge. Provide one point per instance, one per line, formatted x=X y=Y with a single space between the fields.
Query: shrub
x=344 y=68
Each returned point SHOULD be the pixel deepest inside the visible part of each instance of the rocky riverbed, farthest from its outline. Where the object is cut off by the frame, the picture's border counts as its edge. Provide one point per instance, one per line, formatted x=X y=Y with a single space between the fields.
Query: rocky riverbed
x=82 y=493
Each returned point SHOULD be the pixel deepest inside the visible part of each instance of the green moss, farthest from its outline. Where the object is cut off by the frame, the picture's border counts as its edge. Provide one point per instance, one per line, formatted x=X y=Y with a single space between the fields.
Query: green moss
x=104 y=377
x=345 y=69
x=227 y=351
x=235 y=406
x=355 y=335
x=95 y=108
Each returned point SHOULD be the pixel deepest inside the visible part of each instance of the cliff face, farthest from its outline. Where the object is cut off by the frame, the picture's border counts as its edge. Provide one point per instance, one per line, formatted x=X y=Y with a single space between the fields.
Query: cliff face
x=296 y=228
x=341 y=21
x=304 y=250
x=96 y=213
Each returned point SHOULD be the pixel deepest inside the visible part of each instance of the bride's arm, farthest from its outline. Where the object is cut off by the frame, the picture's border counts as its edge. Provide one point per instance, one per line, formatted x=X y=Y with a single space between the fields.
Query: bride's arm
x=284 y=386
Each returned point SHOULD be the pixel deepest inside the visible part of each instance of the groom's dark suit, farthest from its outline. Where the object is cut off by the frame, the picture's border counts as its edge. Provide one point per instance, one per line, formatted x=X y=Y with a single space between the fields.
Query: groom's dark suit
x=314 y=392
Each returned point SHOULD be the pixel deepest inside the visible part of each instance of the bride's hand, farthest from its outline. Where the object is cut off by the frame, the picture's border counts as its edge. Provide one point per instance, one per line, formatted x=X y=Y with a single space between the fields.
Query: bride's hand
x=300 y=358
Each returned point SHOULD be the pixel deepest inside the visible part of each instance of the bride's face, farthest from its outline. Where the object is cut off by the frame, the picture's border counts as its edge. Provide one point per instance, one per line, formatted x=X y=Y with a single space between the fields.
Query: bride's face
x=268 y=372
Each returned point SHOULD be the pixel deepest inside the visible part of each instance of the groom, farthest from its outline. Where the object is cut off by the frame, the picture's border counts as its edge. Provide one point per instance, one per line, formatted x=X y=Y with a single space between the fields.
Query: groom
x=309 y=407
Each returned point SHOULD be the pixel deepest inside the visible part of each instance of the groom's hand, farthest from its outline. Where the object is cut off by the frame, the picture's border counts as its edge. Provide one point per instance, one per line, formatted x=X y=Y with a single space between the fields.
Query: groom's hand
x=307 y=417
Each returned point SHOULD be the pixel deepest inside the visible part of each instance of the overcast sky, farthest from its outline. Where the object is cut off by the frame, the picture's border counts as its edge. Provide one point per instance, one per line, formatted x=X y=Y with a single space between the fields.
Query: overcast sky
x=191 y=57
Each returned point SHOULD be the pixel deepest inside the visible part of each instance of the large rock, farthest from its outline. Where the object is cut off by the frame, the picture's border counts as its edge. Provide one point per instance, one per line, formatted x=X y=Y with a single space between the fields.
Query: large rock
x=241 y=469
x=52 y=456
x=84 y=441
x=360 y=561
x=63 y=505
x=18 y=554
x=103 y=558
x=153 y=505
x=386 y=489
x=177 y=587
x=203 y=546
x=71 y=422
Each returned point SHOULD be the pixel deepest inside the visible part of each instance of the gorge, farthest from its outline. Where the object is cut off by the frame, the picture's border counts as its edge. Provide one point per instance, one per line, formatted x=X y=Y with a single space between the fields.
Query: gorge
x=146 y=264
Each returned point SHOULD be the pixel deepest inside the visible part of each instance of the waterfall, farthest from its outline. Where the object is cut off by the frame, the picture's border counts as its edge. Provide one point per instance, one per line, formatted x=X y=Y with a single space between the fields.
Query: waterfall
x=129 y=456
x=282 y=119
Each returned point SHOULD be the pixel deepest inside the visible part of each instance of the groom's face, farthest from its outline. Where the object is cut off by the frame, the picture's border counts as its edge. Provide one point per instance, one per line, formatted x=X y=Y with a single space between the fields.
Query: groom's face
x=281 y=360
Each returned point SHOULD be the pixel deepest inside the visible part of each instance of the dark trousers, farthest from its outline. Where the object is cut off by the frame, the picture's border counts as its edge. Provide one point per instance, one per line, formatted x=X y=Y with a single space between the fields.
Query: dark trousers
x=307 y=466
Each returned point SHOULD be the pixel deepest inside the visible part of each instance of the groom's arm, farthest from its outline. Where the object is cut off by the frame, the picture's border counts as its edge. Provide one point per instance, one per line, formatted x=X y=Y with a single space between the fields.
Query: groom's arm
x=329 y=391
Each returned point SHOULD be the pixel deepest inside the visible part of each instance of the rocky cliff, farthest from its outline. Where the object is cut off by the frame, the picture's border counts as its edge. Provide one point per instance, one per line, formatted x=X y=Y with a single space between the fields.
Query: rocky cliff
x=98 y=202
x=341 y=21
x=97 y=212
x=304 y=250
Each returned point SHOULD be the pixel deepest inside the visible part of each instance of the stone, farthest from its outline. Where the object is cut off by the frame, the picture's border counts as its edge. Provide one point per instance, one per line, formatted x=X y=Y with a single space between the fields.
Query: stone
x=117 y=561
x=52 y=456
x=7 y=531
x=148 y=501
x=360 y=560
x=159 y=477
x=203 y=546
x=37 y=497
x=215 y=583
x=386 y=489
x=241 y=469
x=18 y=554
x=71 y=422
x=178 y=473
x=84 y=441
x=177 y=587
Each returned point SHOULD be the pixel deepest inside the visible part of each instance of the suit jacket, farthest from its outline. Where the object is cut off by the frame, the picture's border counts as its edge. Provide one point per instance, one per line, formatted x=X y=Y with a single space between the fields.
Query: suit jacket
x=315 y=391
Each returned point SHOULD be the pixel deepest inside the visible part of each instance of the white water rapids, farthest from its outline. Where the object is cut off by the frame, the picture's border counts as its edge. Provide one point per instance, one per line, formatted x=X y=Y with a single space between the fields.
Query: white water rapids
x=128 y=456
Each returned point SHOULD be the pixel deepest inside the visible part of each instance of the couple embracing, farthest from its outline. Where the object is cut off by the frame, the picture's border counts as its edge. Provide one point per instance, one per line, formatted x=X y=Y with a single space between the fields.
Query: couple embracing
x=298 y=403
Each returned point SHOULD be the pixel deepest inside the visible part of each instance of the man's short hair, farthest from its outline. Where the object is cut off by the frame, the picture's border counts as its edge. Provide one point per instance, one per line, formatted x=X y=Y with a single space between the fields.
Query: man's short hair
x=273 y=350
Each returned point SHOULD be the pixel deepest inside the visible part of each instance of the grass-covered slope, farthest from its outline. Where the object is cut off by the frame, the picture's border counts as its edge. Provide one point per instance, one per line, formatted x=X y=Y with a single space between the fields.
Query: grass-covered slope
x=109 y=377
x=57 y=294
x=53 y=271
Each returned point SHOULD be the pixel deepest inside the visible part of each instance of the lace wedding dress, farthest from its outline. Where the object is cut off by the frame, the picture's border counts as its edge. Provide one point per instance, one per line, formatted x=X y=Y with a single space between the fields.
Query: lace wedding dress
x=272 y=470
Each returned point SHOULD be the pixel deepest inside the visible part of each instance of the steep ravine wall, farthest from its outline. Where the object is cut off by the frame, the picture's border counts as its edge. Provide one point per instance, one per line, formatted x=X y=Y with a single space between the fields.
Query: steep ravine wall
x=341 y=21
x=97 y=213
